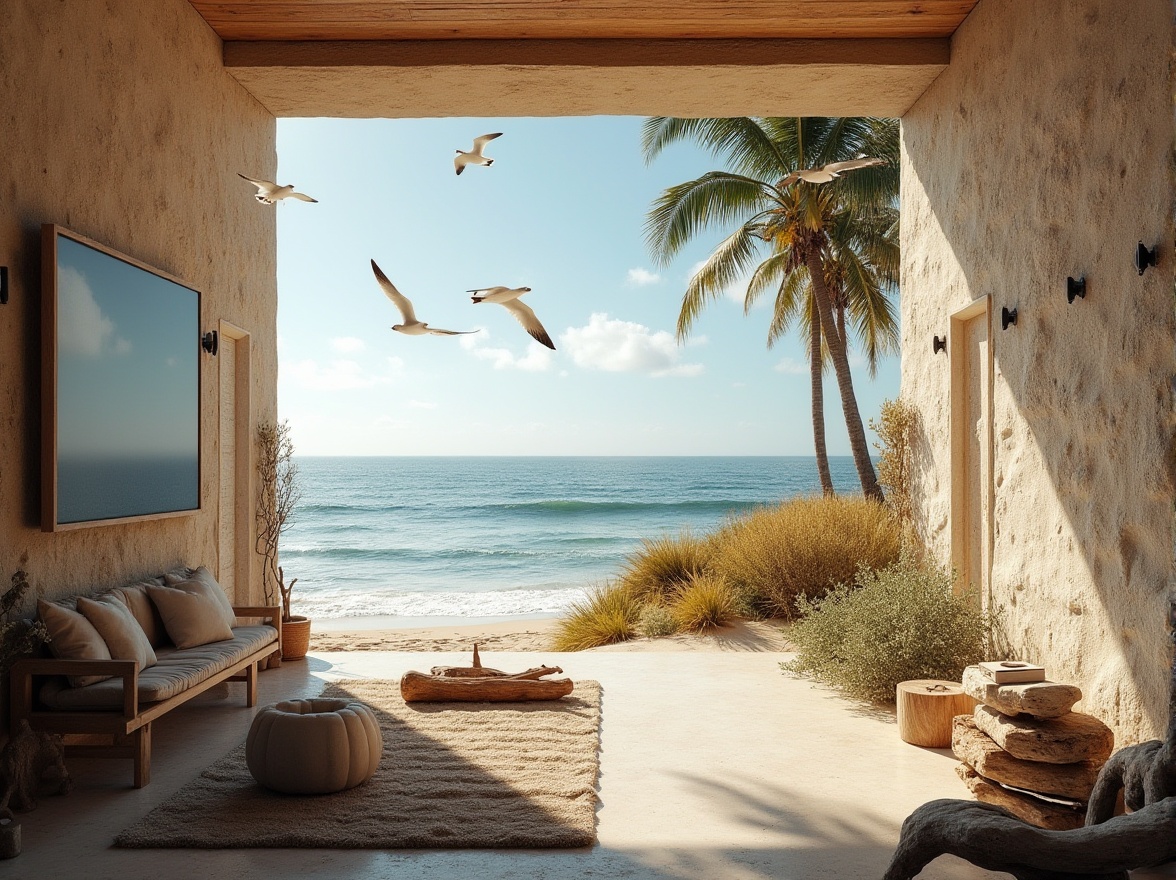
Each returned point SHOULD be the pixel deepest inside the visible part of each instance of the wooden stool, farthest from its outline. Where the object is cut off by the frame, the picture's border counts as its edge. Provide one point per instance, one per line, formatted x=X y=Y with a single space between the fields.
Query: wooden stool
x=926 y=708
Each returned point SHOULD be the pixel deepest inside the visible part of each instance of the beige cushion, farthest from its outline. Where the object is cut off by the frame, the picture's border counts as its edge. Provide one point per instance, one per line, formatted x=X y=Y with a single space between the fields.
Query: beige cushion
x=146 y=614
x=190 y=618
x=201 y=581
x=124 y=637
x=72 y=637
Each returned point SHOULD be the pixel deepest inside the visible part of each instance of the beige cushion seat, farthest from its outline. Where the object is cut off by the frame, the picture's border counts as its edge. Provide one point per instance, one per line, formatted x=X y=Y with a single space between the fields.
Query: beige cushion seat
x=176 y=670
x=313 y=746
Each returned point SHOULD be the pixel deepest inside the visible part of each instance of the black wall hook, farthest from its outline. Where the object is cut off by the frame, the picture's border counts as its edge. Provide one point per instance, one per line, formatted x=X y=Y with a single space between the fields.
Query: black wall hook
x=938 y=345
x=1007 y=316
x=210 y=342
x=3 y=285
x=1075 y=288
x=1144 y=257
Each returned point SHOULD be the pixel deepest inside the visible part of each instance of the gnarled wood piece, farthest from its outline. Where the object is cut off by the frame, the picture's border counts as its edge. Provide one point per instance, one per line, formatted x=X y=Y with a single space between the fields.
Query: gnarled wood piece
x=1146 y=773
x=994 y=839
x=418 y=687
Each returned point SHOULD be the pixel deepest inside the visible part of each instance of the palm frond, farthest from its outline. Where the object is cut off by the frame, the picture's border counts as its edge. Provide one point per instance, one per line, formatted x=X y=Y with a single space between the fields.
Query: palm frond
x=731 y=261
x=718 y=198
x=741 y=140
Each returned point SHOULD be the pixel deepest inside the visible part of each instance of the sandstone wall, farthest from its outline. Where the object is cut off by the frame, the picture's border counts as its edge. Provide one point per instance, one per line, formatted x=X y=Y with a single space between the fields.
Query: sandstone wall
x=1044 y=151
x=120 y=123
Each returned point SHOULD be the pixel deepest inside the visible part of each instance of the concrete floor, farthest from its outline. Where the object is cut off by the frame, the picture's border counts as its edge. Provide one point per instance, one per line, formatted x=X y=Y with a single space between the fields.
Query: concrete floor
x=713 y=765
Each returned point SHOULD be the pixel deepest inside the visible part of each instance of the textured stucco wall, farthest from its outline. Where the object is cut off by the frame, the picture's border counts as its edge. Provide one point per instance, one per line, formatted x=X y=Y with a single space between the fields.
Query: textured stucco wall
x=1043 y=151
x=120 y=123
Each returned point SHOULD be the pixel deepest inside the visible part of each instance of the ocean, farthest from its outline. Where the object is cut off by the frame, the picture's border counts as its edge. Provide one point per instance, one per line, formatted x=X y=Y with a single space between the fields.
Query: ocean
x=450 y=540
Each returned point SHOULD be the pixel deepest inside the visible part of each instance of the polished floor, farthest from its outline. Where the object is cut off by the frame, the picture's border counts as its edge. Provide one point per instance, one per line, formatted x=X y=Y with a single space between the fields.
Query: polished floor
x=713 y=765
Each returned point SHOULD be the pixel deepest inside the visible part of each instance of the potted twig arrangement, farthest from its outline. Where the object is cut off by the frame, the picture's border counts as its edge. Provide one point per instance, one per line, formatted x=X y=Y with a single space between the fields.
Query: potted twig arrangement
x=278 y=494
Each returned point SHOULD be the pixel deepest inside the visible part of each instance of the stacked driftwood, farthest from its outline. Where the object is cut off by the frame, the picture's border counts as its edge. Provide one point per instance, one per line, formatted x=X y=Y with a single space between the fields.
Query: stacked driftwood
x=1025 y=750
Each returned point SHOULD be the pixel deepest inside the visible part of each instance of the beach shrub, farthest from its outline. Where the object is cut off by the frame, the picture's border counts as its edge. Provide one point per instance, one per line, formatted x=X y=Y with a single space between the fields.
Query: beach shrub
x=608 y=614
x=901 y=623
x=706 y=600
x=802 y=547
x=895 y=427
x=657 y=568
x=656 y=621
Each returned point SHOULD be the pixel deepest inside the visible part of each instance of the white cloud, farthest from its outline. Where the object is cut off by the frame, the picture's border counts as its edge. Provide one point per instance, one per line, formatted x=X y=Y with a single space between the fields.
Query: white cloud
x=641 y=277
x=422 y=404
x=347 y=344
x=339 y=375
x=82 y=328
x=788 y=365
x=538 y=358
x=625 y=347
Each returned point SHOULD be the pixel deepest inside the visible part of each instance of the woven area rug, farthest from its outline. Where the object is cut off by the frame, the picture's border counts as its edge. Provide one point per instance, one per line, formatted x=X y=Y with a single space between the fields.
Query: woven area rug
x=452 y=775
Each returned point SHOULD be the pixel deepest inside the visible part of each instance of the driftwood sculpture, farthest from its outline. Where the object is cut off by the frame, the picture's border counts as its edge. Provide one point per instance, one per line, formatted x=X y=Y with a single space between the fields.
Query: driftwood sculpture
x=23 y=760
x=1145 y=773
x=1105 y=849
x=478 y=683
x=996 y=840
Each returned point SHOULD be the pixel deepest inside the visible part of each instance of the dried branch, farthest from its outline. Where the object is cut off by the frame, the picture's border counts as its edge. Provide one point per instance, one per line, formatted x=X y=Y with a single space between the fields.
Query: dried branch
x=278 y=495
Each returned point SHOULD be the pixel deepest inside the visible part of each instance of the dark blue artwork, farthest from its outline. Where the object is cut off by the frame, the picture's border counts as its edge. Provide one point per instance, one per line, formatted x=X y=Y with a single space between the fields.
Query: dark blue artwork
x=128 y=389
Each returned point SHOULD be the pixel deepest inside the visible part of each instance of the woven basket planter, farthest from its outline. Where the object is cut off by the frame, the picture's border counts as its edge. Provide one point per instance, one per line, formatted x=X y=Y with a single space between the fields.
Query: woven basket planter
x=295 y=637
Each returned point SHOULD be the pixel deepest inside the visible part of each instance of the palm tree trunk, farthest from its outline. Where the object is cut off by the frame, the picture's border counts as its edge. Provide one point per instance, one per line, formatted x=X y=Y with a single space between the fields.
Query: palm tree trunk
x=837 y=351
x=819 y=402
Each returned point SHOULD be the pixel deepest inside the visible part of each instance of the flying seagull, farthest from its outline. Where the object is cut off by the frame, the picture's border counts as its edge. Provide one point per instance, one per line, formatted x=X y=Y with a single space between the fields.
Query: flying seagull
x=269 y=192
x=474 y=156
x=508 y=298
x=411 y=326
x=829 y=172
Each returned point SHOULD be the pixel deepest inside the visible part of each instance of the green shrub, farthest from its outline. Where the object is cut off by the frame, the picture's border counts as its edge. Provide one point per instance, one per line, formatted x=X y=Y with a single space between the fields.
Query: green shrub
x=661 y=565
x=802 y=547
x=656 y=621
x=705 y=601
x=607 y=615
x=901 y=623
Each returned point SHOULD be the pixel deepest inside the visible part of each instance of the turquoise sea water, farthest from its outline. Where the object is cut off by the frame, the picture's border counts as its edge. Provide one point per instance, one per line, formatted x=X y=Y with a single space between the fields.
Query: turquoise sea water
x=480 y=538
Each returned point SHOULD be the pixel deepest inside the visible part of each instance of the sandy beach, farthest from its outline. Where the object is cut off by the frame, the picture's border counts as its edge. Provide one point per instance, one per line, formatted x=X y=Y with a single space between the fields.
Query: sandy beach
x=535 y=635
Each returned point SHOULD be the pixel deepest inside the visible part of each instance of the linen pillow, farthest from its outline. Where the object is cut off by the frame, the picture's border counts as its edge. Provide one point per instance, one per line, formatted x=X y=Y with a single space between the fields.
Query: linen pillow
x=124 y=637
x=72 y=637
x=201 y=581
x=146 y=614
x=190 y=618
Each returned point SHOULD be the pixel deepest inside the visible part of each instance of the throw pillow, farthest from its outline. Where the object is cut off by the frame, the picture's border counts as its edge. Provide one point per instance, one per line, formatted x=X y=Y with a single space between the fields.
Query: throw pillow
x=190 y=618
x=124 y=637
x=72 y=637
x=146 y=614
x=201 y=581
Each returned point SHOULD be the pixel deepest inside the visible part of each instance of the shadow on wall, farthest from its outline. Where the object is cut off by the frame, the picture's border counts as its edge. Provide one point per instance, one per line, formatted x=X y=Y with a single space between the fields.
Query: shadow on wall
x=1019 y=176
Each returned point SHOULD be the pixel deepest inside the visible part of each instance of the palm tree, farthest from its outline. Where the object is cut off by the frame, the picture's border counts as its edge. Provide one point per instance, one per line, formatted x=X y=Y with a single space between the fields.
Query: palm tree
x=832 y=248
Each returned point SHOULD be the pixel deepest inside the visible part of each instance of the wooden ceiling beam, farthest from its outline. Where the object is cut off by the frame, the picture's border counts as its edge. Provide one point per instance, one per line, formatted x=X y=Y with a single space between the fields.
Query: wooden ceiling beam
x=413 y=78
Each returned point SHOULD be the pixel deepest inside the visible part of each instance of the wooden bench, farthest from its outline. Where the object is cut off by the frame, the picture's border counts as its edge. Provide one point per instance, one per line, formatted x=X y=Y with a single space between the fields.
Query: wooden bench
x=103 y=733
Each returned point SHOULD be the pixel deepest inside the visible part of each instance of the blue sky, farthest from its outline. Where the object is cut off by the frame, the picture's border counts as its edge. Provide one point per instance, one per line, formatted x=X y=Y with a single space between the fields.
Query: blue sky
x=561 y=211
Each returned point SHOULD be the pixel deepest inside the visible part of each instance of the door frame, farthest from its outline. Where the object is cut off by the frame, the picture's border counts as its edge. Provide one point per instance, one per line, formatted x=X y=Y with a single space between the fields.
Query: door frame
x=243 y=478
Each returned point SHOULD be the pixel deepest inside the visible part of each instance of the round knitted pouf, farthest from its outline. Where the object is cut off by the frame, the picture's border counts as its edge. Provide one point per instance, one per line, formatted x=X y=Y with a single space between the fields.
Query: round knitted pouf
x=313 y=746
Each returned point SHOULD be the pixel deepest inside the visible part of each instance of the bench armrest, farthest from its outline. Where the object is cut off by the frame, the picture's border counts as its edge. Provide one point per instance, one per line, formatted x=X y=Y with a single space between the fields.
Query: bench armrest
x=273 y=612
x=21 y=682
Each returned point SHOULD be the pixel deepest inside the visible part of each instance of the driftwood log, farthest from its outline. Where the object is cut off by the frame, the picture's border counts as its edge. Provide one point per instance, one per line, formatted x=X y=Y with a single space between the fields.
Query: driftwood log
x=994 y=839
x=477 y=683
x=1145 y=773
x=23 y=760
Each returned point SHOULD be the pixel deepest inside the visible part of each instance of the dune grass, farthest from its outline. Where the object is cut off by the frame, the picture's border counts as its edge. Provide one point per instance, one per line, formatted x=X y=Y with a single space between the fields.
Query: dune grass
x=656 y=621
x=803 y=547
x=660 y=566
x=705 y=601
x=609 y=614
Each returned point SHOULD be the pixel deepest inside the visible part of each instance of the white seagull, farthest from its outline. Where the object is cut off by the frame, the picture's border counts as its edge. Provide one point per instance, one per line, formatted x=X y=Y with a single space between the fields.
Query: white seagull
x=508 y=298
x=269 y=192
x=827 y=173
x=411 y=326
x=474 y=156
